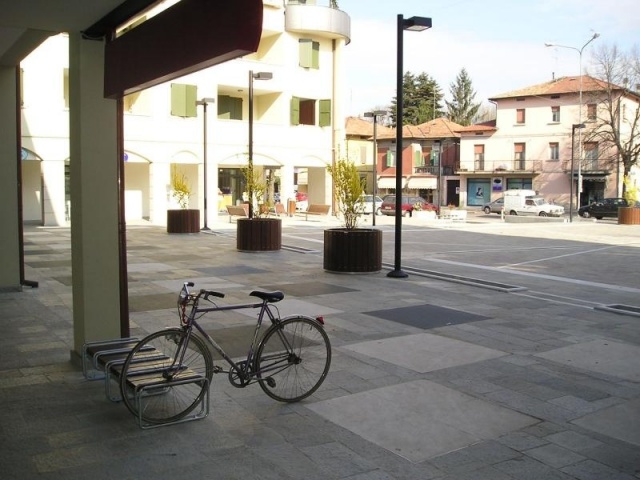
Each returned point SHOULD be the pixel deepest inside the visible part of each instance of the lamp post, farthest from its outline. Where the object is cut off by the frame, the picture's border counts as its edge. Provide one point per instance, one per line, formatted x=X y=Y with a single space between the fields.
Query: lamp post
x=375 y=114
x=204 y=102
x=416 y=24
x=253 y=76
x=575 y=126
x=579 y=50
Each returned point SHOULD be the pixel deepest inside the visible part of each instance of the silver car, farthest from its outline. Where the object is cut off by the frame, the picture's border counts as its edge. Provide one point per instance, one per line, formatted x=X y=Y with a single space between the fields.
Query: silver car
x=367 y=201
x=494 y=207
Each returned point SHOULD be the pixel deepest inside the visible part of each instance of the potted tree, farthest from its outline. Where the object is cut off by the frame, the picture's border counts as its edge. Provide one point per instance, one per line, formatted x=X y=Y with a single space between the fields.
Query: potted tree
x=629 y=215
x=183 y=219
x=258 y=232
x=350 y=249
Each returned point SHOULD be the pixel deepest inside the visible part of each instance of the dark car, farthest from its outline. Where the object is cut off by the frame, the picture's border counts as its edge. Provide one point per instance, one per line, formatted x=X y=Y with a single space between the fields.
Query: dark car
x=408 y=205
x=494 y=207
x=607 y=207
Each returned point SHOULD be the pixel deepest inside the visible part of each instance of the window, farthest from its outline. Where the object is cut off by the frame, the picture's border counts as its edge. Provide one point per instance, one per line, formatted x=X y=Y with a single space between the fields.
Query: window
x=391 y=157
x=229 y=108
x=591 y=111
x=478 y=157
x=520 y=116
x=363 y=154
x=183 y=100
x=303 y=111
x=590 y=155
x=554 y=151
x=519 y=156
x=309 y=53
x=555 y=114
x=418 y=159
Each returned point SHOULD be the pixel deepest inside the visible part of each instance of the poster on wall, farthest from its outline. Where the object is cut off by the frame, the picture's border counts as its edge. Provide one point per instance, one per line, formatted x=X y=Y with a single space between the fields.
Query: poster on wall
x=496 y=184
x=479 y=192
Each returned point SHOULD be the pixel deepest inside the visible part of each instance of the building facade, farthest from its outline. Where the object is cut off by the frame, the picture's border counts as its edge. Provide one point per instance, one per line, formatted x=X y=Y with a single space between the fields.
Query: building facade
x=546 y=138
x=199 y=122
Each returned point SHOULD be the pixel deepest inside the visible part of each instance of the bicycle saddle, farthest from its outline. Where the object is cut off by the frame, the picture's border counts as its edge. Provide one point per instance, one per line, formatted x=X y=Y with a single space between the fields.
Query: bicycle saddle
x=271 y=297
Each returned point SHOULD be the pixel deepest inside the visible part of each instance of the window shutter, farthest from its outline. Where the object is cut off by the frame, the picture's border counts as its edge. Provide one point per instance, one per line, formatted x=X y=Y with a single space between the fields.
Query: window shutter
x=183 y=100
x=306 y=55
x=295 y=111
x=315 y=55
x=418 y=160
x=390 y=159
x=325 y=113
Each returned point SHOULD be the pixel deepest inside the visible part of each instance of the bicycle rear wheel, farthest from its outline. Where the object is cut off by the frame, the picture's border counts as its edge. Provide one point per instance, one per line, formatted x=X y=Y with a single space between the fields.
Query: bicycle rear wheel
x=158 y=389
x=293 y=359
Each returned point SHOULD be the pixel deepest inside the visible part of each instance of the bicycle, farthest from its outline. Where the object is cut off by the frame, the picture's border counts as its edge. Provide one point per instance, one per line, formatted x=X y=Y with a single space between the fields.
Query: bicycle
x=168 y=373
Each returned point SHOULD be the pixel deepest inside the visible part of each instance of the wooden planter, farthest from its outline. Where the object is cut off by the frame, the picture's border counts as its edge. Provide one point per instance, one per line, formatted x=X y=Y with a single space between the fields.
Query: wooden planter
x=259 y=234
x=353 y=251
x=183 y=221
x=629 y=215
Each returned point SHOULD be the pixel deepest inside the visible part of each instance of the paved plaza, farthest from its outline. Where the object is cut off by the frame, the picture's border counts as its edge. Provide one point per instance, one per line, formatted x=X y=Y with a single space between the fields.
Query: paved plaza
x=511 y=351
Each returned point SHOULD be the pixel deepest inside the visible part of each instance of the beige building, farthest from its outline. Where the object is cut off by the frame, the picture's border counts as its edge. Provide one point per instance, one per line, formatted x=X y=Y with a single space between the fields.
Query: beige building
x=534 y=138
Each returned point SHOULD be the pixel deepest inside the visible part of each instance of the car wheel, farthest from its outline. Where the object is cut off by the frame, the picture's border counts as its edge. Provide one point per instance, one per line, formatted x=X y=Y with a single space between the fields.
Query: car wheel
x=378 y=211
x=585 y=215
x=598 y=218
x=406 y=213
x=513 y=212
x=487 y=210
x=543 y=214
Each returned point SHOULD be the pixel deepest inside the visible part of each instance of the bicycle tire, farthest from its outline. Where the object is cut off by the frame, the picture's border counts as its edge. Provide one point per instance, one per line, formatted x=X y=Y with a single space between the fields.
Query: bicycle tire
x=164 y=400
x=293 y=359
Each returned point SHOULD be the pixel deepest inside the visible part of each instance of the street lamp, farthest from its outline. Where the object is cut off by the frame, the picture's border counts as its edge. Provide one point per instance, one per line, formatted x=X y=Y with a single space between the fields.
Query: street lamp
x=575 y=126
x=579 y=50
x=253 y=76
x=375 y=114
x=416 y=24
x=204 y=102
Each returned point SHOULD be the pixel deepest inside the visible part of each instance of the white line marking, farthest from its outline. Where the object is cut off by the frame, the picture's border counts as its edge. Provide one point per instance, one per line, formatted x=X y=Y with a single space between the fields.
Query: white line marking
x=560 y=256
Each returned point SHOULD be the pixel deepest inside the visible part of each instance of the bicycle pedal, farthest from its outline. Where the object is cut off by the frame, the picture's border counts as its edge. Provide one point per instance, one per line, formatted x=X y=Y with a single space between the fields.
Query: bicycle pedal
x=217 y=369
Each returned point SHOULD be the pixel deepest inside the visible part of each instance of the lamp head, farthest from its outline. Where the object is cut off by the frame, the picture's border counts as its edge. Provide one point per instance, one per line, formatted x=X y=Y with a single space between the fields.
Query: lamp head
x=417 y=24
x=262 y=76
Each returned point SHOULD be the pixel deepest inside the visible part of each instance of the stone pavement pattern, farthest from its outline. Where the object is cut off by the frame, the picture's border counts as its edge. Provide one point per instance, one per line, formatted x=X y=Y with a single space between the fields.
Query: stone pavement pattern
x=505 y=387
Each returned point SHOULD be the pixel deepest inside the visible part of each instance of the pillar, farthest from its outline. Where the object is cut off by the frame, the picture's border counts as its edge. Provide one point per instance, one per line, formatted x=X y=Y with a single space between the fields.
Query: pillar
x=94 y=196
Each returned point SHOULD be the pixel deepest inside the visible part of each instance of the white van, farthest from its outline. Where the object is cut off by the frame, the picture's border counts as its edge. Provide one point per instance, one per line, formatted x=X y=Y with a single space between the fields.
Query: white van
x=528 y=202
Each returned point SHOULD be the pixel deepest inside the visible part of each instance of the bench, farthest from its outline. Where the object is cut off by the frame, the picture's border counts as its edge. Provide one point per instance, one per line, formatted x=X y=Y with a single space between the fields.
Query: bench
x=316 y=209
x=237 y=211
x=105 y=359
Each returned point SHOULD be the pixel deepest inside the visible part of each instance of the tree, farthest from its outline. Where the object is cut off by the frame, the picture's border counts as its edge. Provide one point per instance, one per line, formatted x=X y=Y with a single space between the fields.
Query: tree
x=422 y=97
x=461 y=109
x=617 y=124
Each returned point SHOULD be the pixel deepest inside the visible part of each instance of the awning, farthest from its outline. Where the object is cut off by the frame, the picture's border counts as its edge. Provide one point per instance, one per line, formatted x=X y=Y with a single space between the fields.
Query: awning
x=390 y=182
x=422 y=183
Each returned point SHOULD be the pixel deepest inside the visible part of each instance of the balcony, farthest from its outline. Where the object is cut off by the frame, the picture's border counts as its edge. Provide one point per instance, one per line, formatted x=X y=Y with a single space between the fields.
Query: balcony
x=305 y=16
x=589 y=166
x=498 y=166
x=425 y=170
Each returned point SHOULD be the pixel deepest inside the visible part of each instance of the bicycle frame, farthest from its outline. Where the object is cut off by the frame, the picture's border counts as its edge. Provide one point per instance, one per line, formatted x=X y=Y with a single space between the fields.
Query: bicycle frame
x=191 y=322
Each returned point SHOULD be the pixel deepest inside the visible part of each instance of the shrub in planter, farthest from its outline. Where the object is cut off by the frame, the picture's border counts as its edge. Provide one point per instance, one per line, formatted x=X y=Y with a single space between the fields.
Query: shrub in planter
x=351 y=249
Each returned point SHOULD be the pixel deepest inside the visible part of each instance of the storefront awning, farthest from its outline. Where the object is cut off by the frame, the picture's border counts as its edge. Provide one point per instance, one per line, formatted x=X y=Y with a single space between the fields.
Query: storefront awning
x=390 y=182
x=422 y=183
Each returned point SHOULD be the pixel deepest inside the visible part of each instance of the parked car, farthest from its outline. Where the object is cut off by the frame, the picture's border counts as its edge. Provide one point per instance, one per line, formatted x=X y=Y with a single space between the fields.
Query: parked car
x=408 y=204
x=528 y=202
x=367 y=201
x=607 y=207
x=494 y=207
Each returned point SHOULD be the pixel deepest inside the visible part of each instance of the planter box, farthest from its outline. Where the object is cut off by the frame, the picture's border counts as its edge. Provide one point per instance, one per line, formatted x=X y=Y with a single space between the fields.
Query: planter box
x=259 y=234
x=353 y=251
x=183 y=221
x=424 y=214
x=629 y=216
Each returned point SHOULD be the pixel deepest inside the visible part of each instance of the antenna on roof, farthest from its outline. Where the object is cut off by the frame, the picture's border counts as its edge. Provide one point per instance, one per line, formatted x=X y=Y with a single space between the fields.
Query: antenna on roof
x=553 y=76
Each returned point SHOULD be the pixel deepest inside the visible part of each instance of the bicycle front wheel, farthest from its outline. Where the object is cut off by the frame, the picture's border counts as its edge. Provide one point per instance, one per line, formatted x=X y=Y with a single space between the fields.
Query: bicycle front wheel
x=165 y=383
x=293 y=359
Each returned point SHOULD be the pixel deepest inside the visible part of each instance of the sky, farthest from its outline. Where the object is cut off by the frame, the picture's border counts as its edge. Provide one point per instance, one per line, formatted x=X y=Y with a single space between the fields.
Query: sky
x=501 y=43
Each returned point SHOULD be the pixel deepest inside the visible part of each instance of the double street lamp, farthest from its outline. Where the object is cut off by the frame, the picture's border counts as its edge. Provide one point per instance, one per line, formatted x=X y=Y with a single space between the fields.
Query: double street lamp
x=205 y=102
x=375 y=114
x=415 y=24
x=581 y=125
x=253 y=76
